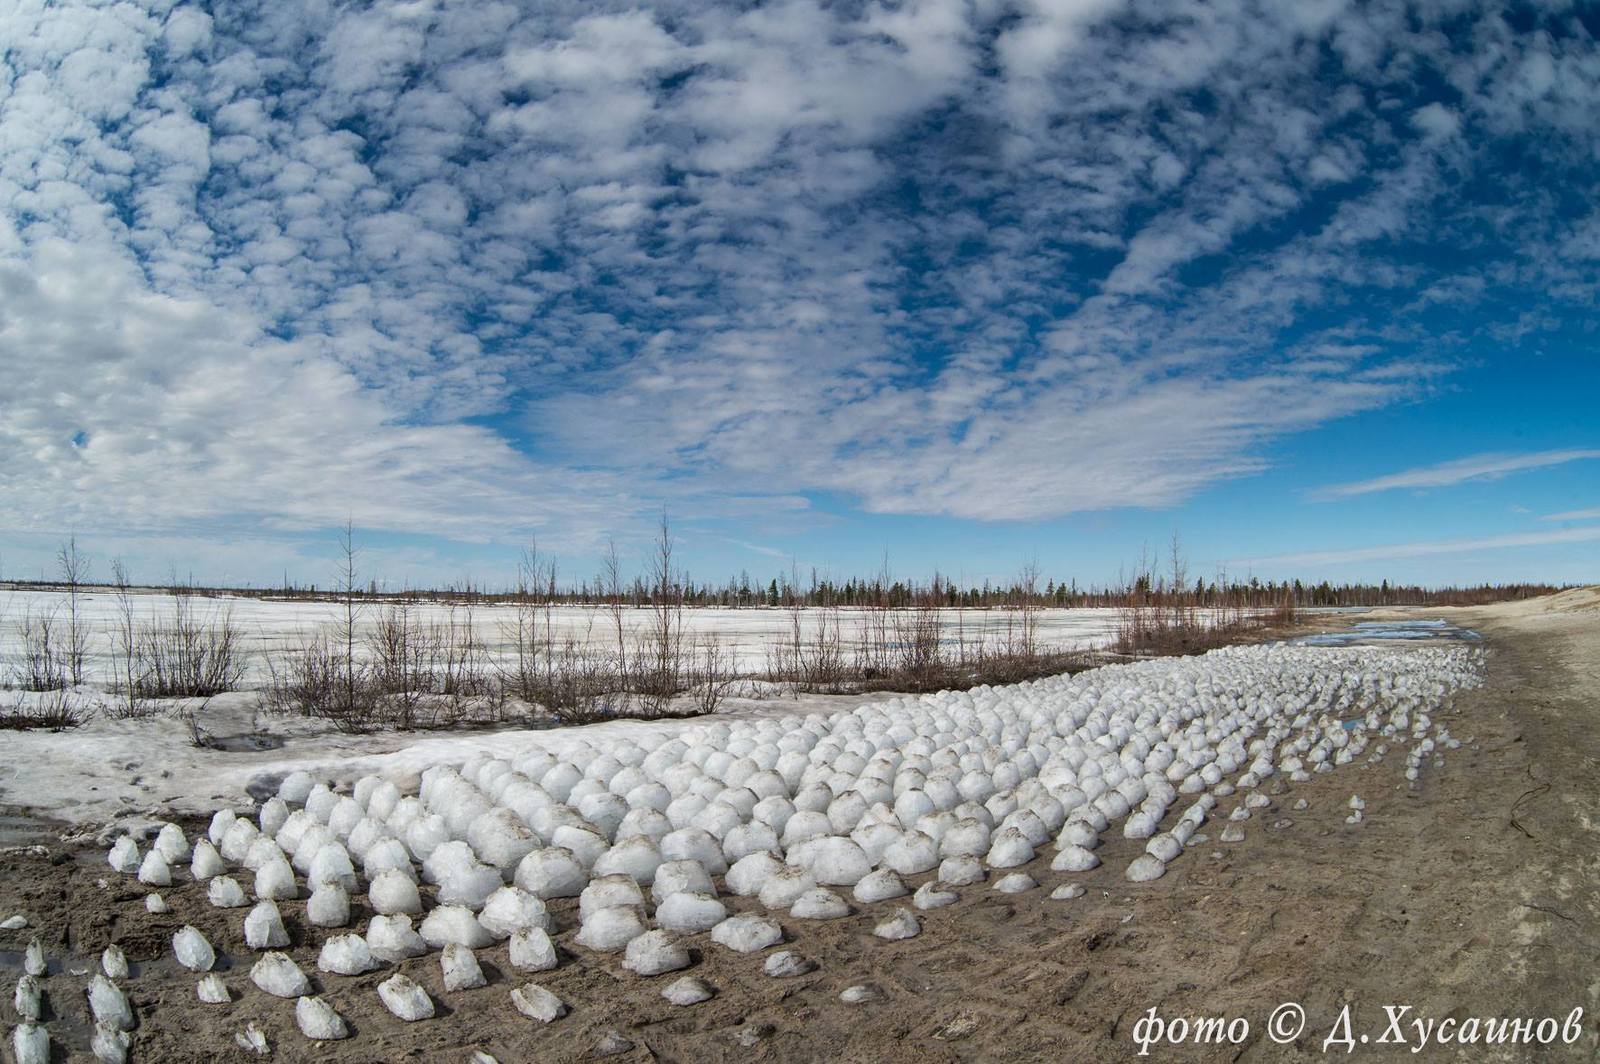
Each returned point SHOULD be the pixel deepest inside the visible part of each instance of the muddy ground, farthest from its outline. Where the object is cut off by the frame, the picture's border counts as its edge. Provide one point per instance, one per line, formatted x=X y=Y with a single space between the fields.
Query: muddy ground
x=1473 y=895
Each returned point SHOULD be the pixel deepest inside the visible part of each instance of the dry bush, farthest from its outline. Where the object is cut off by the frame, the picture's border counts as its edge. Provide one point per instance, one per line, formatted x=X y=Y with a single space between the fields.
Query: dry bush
x=42 y=665
x=54 y=710
x=189 y=656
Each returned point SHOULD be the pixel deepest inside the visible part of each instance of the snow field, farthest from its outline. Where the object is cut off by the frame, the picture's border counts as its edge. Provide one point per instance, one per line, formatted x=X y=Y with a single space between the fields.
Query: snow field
x=677 y=833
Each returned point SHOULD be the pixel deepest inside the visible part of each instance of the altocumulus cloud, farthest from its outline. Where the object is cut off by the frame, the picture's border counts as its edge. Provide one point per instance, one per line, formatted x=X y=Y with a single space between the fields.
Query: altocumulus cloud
x=478 y=268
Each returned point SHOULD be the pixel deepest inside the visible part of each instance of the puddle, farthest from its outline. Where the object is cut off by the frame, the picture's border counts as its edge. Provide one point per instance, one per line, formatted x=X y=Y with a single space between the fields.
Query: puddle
x=1364 y=632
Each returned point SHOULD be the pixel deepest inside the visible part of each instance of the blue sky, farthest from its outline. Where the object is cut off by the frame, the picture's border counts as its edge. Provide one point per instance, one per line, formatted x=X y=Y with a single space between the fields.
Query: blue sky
x=963 y=282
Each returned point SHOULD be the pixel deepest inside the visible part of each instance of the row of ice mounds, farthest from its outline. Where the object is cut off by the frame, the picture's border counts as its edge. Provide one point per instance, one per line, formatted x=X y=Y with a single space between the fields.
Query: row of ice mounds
x=787 y=807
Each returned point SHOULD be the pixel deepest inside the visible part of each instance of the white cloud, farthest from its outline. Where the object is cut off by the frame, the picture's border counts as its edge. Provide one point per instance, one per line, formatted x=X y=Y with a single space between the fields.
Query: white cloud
x=1459 y=471
x=1402 y=551
x=1574 y=515
x=478 y=269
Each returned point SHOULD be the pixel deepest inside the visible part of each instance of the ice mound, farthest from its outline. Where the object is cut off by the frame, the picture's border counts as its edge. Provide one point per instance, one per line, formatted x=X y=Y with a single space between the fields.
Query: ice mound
x=501 y=839
x=552 y=872
x=460 y=968
x=511 y=909
x=747 y=933
x=346 y=955
x=879 y=886
x=124 y=856
x=749 y=874
x=206 y=862
x=681 y=877
x=1009 y=848
x=392 y=938
x=835 y=861
x=153 y=870
x=654 y=953
x=968 y=837
x=225 y=893
x=819 y=903
x=637 y=857
x=296 y=787
x=694 y=844
x=1068 y=891
x=537 y=1003
x=211 y=990
x=531 y=950
x=785 y=886
x=332 y=865
x=690 y=912
x=454 y=923
x=318 y=1021
x=328 y=906
x=961 y=871
x=611 y=928
x=387 y=855
x=221 y=821
x=393 y=892
x=931 y=895
x=607 y=891
x=405 y=999
x=261 y=850
x=275 y=881
x=1145 y=868
x=236 y=841
x=192 y=949
x=279 y=976
x=114 y=963
x=1015 y=883
x=1074 y=859
x=109 y=1004
x=911 y=854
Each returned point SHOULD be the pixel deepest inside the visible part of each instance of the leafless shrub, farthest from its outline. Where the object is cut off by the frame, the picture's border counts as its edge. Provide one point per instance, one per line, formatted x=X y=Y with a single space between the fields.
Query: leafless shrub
x=73 y=567
x=188 y=656
x=42 y=664
x=53 y=710
x=711 y=674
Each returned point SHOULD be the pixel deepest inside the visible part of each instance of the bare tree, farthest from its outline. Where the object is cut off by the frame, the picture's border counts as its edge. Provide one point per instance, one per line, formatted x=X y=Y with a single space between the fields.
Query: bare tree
x=74 y=569
x=664 y=639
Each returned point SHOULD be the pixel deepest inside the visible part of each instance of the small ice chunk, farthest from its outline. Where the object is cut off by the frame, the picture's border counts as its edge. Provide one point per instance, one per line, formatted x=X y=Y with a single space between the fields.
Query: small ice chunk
x=819 y=903
x=747 y=933
x=859 y=994
x=110 y=1044
x=391 y=938
x=211 y=990
x=1015 y=883
x=192 y=949
x=332 y=865
x=607 y=891
x=611 y=928
x=318 y=1021
x=221 y=821
x=29 y=998
x=402 y=996
x=784 y=888
x=30 y=1044
x=690 y=913
x=328 y=906
x=511 y=909
x=33 y=960
x=1232 y=833
x=346 y=955
x=454 y=923
x=688 y=991
x=109 y=1004
x=654 y=953
x=252 y=1040
x=1164 y=847
x=114 y=962
x=552 y=872
x=912 y=853
x=1145 y=868
x=274 y=811
x=931 y=896
x=537 y=1003
x=394 y=892
x=154 y=871
x=835 y=861
x=684 y=877
x=279 y=976
x=787 y=963
x=225 y=893
x=14 y=923
x=124 y=856
x=460 y=967
x=903 y=924
x=531 y=950
x=1068 y=891
x=263 y=927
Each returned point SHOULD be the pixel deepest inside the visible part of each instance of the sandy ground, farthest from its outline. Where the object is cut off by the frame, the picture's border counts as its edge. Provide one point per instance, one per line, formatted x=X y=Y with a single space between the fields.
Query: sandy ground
x=1473 y=895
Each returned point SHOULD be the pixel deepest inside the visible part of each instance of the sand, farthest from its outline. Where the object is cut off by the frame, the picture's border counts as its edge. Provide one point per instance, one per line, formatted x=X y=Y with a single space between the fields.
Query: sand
x=1472 y=895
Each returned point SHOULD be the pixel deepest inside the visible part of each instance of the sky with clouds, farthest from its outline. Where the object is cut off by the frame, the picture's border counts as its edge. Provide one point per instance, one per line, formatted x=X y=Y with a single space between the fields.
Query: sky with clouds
x=964 y=281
